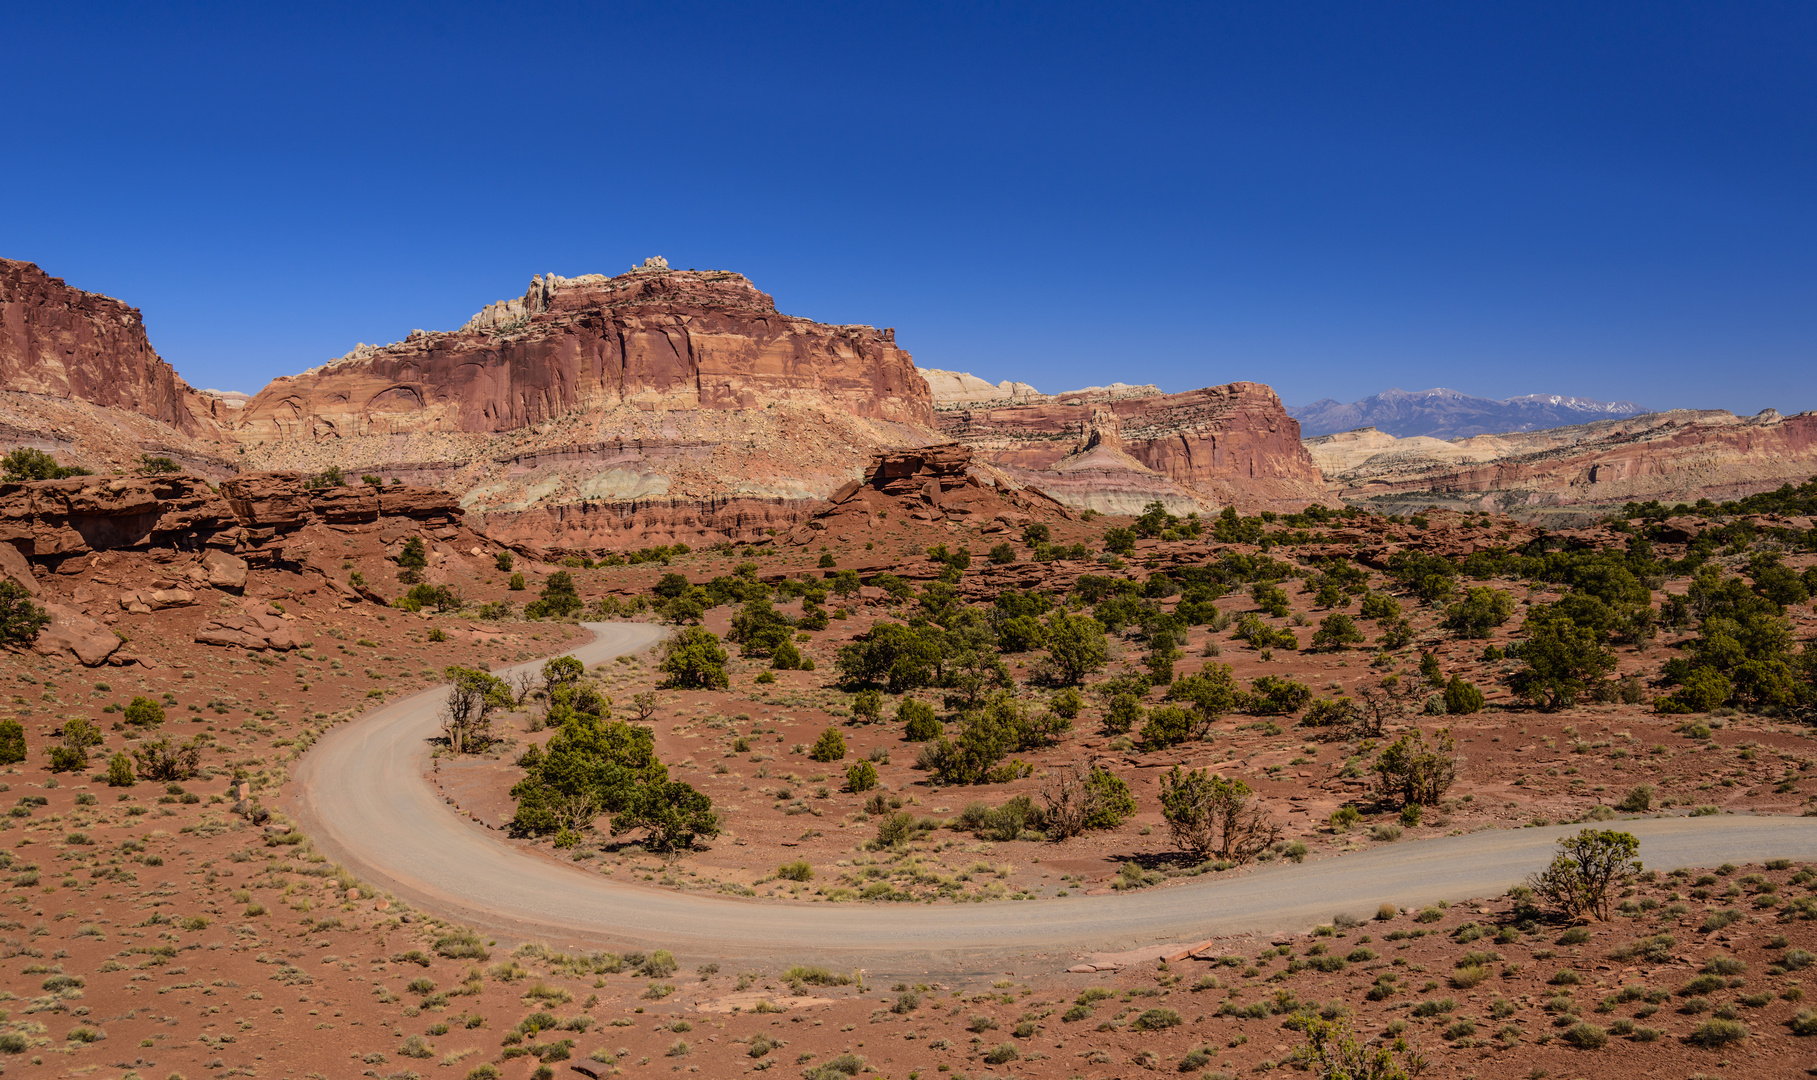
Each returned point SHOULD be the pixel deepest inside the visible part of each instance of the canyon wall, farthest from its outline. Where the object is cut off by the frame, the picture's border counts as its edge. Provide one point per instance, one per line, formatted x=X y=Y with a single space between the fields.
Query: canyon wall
x=1202 y=449
x=59 y=342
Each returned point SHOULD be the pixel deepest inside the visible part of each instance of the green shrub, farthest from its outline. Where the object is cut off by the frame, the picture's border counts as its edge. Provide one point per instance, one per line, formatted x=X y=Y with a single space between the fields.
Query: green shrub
x=1462 y=698
x=799 y=870
x=1155 y=1020
x=861 y=776
x=829 y=747
x=12 y=742
x=1586 y=1036
x=461 y=945
x=144 y=712
x=1717 y=1032
x=918 y=720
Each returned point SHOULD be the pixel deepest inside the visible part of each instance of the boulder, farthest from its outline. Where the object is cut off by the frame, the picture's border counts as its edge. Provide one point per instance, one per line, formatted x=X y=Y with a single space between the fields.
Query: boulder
x=14 y=567
x=73 y=634
x=249 y=630
x=224 y=571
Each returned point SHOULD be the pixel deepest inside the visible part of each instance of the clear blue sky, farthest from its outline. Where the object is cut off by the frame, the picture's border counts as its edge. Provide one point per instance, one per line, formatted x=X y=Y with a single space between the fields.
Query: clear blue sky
x=1613 y=200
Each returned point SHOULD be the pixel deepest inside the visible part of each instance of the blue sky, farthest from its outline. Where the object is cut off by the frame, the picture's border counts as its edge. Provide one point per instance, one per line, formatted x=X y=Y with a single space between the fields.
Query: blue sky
x=1612 y=200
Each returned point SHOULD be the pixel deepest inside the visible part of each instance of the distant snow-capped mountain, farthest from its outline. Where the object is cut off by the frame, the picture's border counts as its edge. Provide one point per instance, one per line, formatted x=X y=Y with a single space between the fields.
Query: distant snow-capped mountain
x=1449 y=414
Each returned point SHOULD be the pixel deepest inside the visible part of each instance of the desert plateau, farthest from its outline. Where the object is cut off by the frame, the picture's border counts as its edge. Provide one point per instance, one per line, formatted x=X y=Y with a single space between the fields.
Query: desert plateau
x=637 y=680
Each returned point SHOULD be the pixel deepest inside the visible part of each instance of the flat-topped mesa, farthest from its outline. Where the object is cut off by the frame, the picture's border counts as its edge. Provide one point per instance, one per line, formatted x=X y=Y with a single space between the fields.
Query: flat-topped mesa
x=61 y=342
x=654 y=339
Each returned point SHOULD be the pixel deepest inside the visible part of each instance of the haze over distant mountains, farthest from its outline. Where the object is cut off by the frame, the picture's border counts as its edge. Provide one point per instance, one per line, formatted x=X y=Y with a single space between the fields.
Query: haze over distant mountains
x=1449 y=414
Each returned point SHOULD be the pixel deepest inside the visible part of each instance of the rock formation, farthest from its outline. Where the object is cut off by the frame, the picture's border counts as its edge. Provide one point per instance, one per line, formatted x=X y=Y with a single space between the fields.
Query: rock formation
x=60 y=342
x=90 y=548
x=51 y=520
x=606 y=412
x=930 y=484
x=658 y=340
x=957 y=388
x=1222 y=445
x=1583 y=471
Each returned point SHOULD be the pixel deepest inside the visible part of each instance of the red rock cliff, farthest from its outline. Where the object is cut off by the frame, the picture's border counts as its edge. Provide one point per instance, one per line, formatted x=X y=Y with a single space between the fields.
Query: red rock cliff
x=1232 y=443
x=65 y=343
x=654 y=339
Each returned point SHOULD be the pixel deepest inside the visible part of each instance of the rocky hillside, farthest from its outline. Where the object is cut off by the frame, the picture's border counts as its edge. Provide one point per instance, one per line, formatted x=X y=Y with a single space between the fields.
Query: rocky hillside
x=1112 y=452
x=1448 y=414
x=1577 y=472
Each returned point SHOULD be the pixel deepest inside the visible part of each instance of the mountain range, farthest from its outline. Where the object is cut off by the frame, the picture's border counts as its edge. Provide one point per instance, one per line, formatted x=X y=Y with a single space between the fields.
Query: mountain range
x=1451 y=414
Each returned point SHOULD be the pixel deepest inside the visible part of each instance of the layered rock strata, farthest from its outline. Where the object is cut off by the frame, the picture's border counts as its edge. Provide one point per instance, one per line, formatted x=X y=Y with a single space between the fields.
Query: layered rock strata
x=599 y=412
x=60 y=342
x=48 y=521
x=1222 y=445
x=659 y=340
x=1580 y=472
x=153 y=544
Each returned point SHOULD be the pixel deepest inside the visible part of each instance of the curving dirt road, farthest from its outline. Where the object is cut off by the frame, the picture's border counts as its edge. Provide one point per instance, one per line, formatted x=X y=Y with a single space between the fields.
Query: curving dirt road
x=361 y=794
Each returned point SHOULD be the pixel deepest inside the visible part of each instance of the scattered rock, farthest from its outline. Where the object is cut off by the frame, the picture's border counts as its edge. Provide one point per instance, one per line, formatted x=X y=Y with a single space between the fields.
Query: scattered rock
x=224 y=571
x=249 y=630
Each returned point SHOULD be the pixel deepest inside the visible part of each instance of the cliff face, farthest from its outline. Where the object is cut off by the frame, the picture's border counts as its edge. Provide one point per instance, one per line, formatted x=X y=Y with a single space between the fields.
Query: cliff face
x=1585 y=470
x=656 y=340
x=656 y=406
x=1222 y=445
x=60 y=342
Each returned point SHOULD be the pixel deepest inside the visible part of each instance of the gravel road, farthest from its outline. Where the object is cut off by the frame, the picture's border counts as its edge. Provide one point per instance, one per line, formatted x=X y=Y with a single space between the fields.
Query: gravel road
x=361 y=794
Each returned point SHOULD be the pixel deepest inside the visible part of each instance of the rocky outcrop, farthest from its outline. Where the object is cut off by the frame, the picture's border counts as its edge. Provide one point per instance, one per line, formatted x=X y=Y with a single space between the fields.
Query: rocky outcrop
x=248 y=630
x=17 y=568
x=957 y=388
x=653 y=339
x=55 y=520
x=930 y=485
x=48 y=518
x=1583 y=471
x=285 y=500
x=1222 y=445
x=61 y=342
